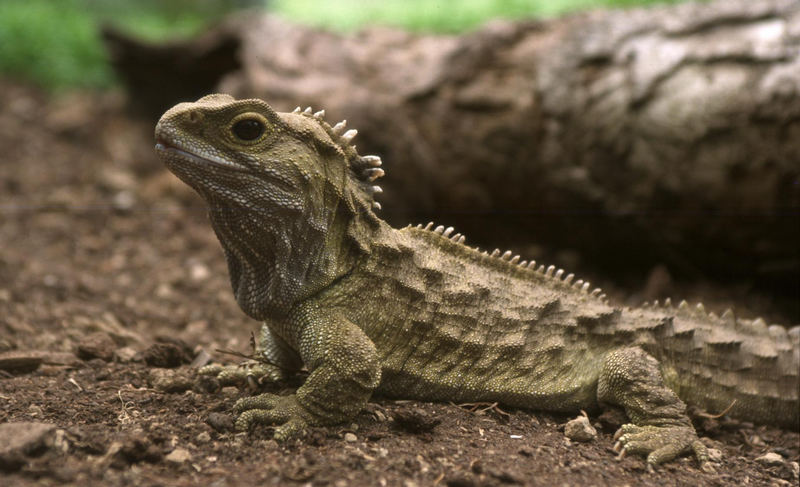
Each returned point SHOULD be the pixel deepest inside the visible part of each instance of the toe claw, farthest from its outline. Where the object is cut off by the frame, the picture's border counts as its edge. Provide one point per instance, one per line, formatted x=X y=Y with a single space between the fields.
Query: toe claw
x=291 y=429
x=252 y=383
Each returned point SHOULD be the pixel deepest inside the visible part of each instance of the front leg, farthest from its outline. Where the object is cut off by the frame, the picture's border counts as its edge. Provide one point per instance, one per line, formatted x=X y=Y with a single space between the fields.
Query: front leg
x=659 y=428
x=344 y=370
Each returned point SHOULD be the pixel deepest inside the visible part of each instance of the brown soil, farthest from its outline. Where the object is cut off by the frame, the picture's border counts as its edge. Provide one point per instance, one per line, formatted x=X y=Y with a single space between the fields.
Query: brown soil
x=108 y=269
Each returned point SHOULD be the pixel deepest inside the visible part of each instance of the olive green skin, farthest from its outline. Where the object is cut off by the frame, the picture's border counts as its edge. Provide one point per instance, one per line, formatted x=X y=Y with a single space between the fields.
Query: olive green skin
x=416 y=313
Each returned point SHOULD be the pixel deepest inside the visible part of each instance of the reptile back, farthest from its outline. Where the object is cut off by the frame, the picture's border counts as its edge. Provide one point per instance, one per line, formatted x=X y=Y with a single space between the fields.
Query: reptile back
x=454 y=323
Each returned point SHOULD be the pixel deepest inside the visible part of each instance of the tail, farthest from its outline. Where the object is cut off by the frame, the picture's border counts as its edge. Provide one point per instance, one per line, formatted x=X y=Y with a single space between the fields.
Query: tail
x=720 y=363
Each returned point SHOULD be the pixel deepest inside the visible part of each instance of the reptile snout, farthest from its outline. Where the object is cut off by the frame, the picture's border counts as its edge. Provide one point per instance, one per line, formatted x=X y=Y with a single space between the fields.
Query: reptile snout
x=178 y=118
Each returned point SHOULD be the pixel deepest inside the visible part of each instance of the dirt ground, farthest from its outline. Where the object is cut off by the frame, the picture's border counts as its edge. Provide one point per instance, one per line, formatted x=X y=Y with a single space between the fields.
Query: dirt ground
x=111 y=283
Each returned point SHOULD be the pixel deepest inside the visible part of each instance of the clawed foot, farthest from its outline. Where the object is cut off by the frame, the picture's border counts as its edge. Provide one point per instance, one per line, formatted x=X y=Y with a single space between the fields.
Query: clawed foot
x=660 y=443
x=271 y=409
x=249 y=373
x=267 y=409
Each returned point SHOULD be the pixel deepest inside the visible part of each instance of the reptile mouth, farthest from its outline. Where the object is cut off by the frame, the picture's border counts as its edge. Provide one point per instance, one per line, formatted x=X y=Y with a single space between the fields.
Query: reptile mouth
x=164 y=147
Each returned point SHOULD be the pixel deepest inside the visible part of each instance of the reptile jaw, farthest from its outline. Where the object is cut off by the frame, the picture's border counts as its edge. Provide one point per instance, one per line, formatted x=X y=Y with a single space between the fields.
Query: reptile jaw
x=170 y=150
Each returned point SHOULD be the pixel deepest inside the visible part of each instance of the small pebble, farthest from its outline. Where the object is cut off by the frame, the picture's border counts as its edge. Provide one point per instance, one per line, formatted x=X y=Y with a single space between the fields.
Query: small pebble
x=97 y=345
x=715 y=455
x=770 y=459
x=20 y=362
x=166 y=355
x=350 y=438
x=795 y=468
x=179 y=455
x=167 y=380
x=220 y=422
x=125 y=354
x=123 y=201
x=21 y=439
x=199 y=272
x=580 y=429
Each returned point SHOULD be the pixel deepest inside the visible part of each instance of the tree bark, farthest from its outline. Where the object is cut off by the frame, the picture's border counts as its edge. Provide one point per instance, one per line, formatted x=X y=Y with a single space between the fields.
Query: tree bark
x=667 y=134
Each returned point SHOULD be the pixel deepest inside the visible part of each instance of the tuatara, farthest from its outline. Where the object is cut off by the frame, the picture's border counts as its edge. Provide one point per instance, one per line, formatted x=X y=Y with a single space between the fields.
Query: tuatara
x=416 y=313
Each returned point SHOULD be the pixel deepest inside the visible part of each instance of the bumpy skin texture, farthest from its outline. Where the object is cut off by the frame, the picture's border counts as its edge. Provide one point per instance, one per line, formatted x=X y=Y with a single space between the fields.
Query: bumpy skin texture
x=415 y=313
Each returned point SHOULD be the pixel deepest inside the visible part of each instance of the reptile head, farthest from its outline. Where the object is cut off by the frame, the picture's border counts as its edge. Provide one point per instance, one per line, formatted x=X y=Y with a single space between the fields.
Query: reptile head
x=289 y=196
x=243 y=154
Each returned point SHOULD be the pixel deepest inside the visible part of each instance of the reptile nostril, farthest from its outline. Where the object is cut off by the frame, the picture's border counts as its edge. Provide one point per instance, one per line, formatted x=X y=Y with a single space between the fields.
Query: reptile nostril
x=195 y=116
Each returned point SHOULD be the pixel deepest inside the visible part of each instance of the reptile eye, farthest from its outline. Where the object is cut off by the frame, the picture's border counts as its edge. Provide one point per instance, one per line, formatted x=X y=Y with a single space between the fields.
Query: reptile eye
x=248 y=129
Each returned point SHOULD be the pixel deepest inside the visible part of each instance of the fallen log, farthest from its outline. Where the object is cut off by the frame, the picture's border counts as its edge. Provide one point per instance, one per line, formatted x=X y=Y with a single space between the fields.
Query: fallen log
x=655 y=135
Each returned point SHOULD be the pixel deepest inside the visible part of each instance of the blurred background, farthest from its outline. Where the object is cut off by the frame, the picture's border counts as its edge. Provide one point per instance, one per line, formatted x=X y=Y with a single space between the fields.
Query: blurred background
x=650 y=147
x=56 y=43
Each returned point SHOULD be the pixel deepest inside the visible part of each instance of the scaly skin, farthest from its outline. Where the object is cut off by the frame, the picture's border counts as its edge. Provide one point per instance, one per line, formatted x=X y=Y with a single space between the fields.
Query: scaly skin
x=415 y=313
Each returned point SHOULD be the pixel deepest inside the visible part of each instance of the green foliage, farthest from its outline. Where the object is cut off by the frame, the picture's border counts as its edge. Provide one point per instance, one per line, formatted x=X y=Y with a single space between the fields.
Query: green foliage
x=431 y=15
x=55 y=43
x=53 y=46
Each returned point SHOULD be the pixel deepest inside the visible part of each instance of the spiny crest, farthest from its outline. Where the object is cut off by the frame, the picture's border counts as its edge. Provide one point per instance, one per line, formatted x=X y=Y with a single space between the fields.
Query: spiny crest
x=757 y=327
x=696 y=311
x=549 y=272
x=365 y=168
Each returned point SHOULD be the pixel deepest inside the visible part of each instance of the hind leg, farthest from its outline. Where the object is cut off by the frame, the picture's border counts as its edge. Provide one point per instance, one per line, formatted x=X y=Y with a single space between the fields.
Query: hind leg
x=659 y=428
